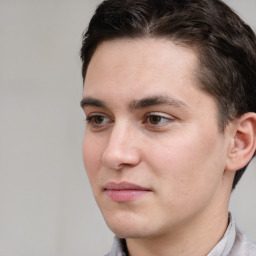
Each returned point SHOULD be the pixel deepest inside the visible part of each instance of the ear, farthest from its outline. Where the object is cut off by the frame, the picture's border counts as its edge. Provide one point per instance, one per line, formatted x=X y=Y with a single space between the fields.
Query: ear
x=243 y=144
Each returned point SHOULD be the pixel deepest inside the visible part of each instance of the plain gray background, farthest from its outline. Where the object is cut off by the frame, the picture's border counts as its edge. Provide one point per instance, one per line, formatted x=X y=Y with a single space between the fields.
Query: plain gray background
x=46 y=205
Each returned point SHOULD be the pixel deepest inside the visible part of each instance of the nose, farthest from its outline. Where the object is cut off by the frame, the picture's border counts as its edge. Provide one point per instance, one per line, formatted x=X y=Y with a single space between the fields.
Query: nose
x=122 y=148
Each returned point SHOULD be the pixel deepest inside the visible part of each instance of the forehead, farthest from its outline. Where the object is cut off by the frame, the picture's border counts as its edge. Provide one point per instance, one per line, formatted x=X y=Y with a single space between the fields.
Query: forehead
x=124 y=70
x=144 y=61
x=148 y=52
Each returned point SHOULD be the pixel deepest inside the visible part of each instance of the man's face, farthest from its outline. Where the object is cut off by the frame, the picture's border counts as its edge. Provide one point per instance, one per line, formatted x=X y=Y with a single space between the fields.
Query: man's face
x=152 y=148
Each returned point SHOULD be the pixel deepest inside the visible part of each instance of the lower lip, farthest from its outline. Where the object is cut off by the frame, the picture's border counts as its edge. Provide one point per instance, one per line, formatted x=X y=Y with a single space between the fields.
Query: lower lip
x=125 y=195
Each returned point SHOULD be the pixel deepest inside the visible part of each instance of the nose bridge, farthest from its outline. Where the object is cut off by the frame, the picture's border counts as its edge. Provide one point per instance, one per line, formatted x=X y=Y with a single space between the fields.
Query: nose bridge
x=121 y=133
x=122 y=146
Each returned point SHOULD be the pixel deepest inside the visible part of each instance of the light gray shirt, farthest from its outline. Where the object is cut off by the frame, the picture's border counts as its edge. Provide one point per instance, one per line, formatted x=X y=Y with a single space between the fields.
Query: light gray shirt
x=233 y=243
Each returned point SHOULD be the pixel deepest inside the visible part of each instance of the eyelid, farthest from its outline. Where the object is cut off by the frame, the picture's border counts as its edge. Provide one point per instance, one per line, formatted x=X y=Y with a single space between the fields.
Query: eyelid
x=158 y=125
x=92 y=114
x=95 y=114
x=160 y=114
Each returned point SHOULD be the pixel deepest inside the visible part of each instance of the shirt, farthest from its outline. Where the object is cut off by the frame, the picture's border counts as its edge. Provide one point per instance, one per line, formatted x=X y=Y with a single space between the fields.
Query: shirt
x=233 y=243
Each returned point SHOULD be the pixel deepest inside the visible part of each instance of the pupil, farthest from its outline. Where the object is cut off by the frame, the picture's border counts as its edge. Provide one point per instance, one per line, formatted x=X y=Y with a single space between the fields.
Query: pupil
x=98 y=119
x=155 y=119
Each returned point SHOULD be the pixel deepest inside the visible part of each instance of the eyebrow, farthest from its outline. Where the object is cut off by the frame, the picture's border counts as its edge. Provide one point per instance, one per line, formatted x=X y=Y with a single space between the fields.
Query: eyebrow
x=137 y=104
x=89 y=101
x=157 y=100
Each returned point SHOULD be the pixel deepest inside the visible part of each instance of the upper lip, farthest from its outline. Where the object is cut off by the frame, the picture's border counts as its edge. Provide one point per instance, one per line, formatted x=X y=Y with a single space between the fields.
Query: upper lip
x=123 y=186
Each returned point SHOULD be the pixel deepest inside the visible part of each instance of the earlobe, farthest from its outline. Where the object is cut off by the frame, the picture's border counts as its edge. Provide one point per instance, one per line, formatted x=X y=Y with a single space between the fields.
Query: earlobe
x=243 y=143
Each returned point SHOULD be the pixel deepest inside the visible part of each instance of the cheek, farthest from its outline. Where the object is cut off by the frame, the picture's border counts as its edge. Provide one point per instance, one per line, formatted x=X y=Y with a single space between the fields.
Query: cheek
x=187 y=163
x=91 y=155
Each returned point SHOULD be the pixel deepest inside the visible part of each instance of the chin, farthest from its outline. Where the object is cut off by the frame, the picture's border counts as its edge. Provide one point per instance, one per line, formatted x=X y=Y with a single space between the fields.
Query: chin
x=128 y=232
x=127 y=226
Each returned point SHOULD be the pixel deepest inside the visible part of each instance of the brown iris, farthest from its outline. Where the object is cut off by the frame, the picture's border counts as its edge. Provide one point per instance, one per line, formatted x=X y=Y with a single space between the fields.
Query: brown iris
x=98 y=119
x=154 y=119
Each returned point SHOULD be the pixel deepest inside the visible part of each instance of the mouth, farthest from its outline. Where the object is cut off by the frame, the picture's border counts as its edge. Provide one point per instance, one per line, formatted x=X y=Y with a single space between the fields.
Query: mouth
x=124 y=191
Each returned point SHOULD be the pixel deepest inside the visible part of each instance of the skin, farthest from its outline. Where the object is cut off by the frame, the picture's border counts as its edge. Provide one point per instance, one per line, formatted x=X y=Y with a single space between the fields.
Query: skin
x=173 y=149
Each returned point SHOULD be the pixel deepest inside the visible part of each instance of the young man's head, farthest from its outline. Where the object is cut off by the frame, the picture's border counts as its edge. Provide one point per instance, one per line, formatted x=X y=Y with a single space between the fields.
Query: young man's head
x=169 y=95
x=225 y=45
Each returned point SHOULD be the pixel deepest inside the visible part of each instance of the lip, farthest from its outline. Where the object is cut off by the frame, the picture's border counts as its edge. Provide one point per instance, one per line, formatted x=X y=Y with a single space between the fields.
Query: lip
x=124 y=191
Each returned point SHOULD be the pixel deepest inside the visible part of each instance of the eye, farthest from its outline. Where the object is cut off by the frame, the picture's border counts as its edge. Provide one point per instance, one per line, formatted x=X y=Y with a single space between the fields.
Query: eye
x=97 y=120
x=157 y=119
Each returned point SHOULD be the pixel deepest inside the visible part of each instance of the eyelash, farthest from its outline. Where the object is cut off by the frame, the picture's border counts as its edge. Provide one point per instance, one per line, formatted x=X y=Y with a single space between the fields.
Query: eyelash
x=91 y=120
